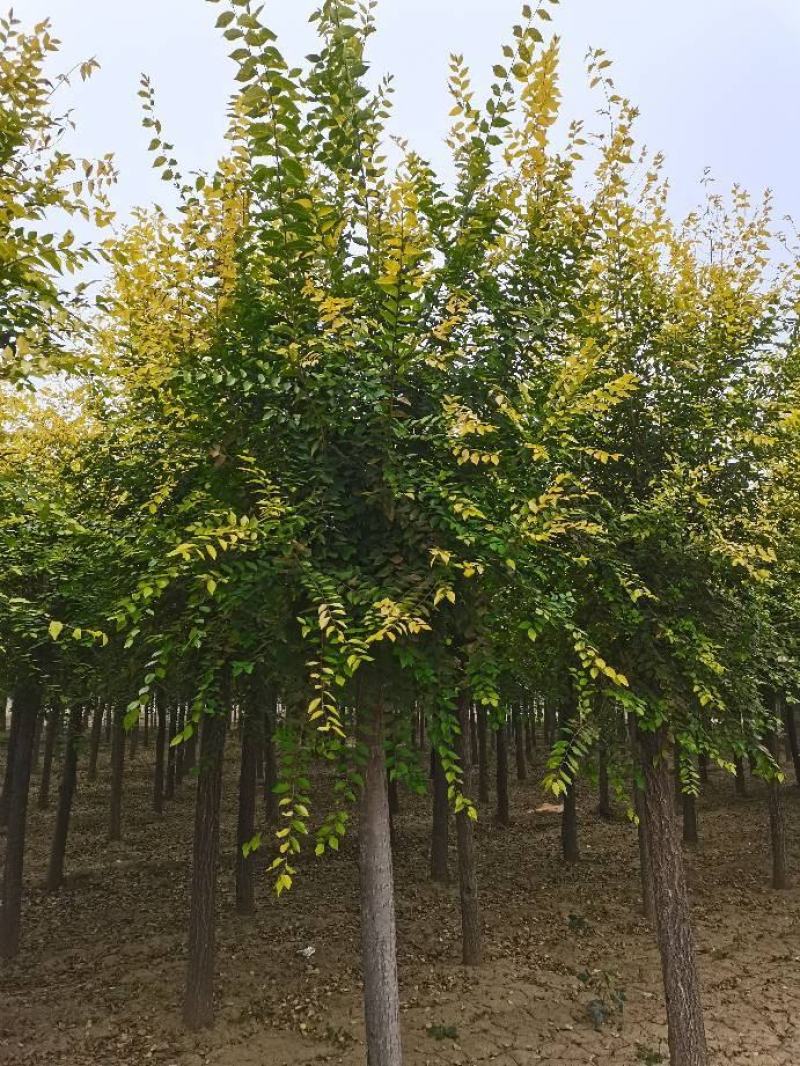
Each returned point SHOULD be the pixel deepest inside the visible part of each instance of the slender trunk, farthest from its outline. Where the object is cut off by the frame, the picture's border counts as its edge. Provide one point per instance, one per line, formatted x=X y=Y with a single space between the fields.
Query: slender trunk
x=5 y=798
x=27 y=705
x=134 y=740
x=3 y=714
x=55 y=869
x=690 y=836
x=270 y=761
x=483 y=756
x=246 y=826
x=740 y=781
x=161 y=738
x=549 y=725
x=473 y=735
x=702 y=766
x=180 y=750
x=51 y=732
x=530 y=732
x=440 y=823
x=645 y=865
x=37 y=740
x=147 y=713
x=393 y=796
x=790 y=723
x=117 y=772
x=503 y=814
x=94 y=742
x=685 y=1028
x=378 y=939
x=777 y=824
x=519 y=744
x=169 y=786
x=198 y=1006
x=604 y=808
x=467 y=867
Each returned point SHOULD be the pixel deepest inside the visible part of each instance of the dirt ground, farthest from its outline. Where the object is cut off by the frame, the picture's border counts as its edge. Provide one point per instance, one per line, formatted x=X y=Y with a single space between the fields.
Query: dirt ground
x=100 y=976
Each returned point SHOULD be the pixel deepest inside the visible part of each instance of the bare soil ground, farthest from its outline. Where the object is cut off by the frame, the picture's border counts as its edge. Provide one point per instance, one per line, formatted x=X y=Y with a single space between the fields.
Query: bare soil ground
x=100 y=976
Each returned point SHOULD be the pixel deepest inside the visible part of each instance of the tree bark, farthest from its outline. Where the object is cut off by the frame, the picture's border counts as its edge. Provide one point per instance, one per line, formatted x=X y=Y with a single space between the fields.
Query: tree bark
x=117 y=773
x=180 y=750
x=440 y=827
x=55 y=869
x=161 y=738
x=777 y=824
x=147 y=712
x=690 y=835
x=246 y=825
x=790 y=723
x=51 y=732
x=27 y=707
x=198 y=1006
x=467 y=867
x=270 y=761
x=503 y=812
x=570 y=848
x=378 y=937
x=685 y=1028
x=169 y=785
x=519 y=743
x=645 y=865
x=94 y=742
x=473 y=734
x=483 y=756
x=3 y=713
x=5 y=798
x=702 y=766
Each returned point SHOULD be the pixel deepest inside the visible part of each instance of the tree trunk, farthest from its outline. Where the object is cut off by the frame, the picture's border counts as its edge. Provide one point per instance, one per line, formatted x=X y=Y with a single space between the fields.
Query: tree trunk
x=147 y=712
x=3 y=714
x=198 y=1006
x=94 y=741
x=378 y=939
x=790 y=723
x=467 y=868
x=686 y=1032
x=169 y=786
x=530 y=732
x=270 y=761
x=690 y=836
x=5 y=798
x=180 y=750
x=37 y=740
x=570 y=848
x=702 y=766
x=740 y=781
x=161 y=738
x=604 y=808
x=483 y=756
x=134 y=739
x=55 y=869
x=503 y=813
x=117 y=772
x=645 y=865
x=473 y=735
x=519 y=744
x=109 y=723
x=549 y=725
x=440 y=823
x=27 y=706
x=777 y=824
x=51 y=732
x=246 y=826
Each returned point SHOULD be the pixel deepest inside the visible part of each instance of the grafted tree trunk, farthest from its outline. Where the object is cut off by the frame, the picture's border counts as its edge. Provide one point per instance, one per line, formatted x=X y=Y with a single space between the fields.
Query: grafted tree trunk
x=440 y=827
x=503 y=811
x=55 y=869
x=777 y=824
x=27 y=707
x=94 y=741
x=161 y=739
x=246 y=825
x=117 y=773
x=519 y=743
x=471 y=946
x=51 y=732
x=198 y=1006
x=483 y=756
x=790 y=723
x=685 y=1028
x=378 y=937
x=604 y=808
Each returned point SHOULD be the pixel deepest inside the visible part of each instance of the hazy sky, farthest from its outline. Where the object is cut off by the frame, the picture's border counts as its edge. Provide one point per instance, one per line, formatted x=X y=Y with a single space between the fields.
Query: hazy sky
x=717 y=81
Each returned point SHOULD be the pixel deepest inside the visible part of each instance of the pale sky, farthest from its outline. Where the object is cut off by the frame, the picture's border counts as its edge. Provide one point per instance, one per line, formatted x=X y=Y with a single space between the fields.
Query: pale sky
x=717 y=81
